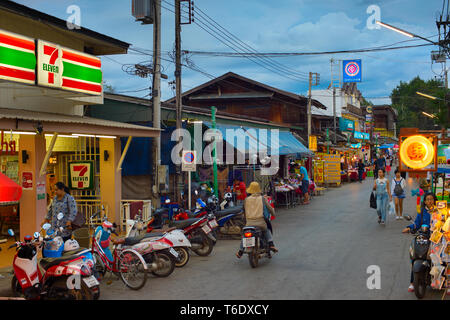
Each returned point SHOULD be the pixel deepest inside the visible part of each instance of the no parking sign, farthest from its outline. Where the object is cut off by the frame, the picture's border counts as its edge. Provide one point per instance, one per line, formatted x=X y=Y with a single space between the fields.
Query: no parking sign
x=188 y=160
x=352 y=70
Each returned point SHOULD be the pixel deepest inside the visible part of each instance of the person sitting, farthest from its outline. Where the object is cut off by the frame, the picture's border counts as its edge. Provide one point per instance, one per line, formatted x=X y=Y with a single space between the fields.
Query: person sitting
x=423 y=218
x=254 y=214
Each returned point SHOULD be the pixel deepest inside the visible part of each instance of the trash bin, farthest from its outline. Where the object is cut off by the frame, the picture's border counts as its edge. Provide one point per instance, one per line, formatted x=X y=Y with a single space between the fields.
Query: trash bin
x=82 y=236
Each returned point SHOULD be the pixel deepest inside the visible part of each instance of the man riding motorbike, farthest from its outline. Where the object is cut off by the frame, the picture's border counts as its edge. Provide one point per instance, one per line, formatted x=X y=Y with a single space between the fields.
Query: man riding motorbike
x=254 y=214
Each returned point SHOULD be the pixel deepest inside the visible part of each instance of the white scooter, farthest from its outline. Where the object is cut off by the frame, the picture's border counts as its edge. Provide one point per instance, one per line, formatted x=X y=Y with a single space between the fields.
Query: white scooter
x=137 y=228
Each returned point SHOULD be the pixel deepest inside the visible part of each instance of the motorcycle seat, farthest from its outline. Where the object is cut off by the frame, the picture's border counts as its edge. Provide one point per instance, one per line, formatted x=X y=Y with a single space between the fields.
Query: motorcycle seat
x=227 y=211
x=47 y=263
x=183 y=223
x=74 y=252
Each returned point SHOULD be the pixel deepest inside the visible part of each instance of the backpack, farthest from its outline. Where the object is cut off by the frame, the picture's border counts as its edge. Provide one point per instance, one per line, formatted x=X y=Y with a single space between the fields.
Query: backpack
x=398 y=190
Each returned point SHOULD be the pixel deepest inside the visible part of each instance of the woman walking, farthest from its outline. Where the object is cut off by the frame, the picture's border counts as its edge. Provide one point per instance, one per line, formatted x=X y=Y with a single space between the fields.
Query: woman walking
x=383 y=192
x=398 y=191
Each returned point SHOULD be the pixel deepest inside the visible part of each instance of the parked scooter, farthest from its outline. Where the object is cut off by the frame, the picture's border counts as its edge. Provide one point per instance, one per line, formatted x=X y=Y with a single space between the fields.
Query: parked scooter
x=136 y=229
x=65 y=277
x=255 y=245
x=421 y=264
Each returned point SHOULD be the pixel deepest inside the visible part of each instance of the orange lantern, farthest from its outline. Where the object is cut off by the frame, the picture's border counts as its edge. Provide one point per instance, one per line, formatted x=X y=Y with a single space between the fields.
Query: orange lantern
x=417 y=152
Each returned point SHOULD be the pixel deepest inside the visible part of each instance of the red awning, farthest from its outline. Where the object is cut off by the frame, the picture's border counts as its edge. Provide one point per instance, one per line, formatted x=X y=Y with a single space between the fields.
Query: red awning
x=10 y=192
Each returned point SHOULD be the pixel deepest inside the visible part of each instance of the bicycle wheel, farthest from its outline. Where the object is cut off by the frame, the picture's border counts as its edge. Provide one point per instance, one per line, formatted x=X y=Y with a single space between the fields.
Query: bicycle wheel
x=132 y=270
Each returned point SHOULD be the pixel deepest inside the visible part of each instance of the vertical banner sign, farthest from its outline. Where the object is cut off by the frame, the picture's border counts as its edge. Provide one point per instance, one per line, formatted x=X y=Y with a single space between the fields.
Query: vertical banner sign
x=313 y=143
x=67 y=69
x=352 y=70
x=17 y=58
x=81 y=175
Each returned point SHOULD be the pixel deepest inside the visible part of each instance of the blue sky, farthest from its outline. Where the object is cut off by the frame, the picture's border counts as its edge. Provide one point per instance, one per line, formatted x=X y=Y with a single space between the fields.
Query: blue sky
x=271 y=26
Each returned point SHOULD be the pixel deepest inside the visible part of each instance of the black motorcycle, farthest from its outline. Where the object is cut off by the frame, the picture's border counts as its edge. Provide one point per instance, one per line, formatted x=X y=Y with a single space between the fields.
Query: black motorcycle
x=255 y=245
x=421 y=264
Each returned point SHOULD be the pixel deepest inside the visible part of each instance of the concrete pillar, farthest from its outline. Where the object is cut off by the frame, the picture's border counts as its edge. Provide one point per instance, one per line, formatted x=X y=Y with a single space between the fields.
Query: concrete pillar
x=110 y=179
x=32 y=210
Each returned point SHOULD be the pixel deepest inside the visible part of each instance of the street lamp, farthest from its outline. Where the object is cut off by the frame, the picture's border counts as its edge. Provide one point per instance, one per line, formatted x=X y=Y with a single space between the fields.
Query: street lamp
x=432 y=116
x=426 y=96
x=405 y=33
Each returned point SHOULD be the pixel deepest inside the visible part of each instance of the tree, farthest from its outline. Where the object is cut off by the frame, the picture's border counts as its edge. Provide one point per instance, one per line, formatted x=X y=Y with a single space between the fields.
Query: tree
x=410 y=105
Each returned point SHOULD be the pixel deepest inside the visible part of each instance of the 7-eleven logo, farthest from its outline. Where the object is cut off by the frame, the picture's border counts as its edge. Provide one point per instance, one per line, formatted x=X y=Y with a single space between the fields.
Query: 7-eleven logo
x=49 y=64
x=80 y=175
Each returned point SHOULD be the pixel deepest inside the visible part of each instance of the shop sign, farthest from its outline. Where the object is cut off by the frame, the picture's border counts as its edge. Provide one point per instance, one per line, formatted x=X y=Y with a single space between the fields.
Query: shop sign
x=17 y=58
x=417 y=152
x=313 y=143
x=352 y=70
x=27 y=180
x=47 y=64
x=7 y=146
x=356 y=146
x=81 y=175
x=369 y=109
x=63 y=68
x=346 y=124
x=362 y=135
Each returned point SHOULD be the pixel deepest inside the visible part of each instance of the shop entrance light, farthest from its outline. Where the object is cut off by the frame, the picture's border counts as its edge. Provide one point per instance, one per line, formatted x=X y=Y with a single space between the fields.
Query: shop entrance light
x=417 y=152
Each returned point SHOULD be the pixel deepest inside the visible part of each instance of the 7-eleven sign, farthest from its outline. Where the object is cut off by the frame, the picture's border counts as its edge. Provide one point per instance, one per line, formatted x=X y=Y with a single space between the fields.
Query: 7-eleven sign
x=81 y=175
x=49 y=64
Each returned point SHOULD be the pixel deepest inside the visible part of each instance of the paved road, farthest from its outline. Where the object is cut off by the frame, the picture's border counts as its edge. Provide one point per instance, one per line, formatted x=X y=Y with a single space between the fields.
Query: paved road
x=325 y=250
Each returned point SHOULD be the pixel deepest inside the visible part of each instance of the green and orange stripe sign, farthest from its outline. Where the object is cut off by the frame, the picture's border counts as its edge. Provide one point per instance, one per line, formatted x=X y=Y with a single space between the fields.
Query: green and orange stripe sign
x=17 y=58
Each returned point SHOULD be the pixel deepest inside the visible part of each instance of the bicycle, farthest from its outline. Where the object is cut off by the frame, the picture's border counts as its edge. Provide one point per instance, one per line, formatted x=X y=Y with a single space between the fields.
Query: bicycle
x=128 y=264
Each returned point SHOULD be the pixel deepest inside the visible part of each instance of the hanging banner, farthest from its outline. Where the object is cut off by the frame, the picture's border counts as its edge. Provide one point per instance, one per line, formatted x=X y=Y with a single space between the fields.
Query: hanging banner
x=313 y=143
x=17 y=58
x=81 y=175
x=352 y=70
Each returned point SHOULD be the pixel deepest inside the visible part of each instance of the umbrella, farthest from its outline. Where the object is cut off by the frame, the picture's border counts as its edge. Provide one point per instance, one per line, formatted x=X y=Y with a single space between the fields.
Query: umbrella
x=10 y=192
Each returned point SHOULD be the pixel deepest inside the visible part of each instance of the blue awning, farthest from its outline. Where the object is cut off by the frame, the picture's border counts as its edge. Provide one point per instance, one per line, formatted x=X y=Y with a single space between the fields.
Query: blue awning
x=260 y=140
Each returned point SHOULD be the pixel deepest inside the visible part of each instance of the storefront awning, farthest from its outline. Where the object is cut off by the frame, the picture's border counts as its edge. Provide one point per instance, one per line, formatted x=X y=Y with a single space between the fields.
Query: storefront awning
x=10 y=192
x=255 y=139
x=26 y=120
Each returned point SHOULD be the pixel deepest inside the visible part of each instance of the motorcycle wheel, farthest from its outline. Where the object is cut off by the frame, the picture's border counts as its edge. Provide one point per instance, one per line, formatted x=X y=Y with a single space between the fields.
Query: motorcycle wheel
x=206 y=248
x=184 y=256
x=96 y=293
x=167 y=263
x=419 y=285
x=16 y=288
x=253 y=256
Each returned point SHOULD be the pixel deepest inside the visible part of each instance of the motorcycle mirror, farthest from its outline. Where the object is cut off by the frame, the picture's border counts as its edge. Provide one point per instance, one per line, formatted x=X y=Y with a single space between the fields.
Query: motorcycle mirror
x=46 y=226
x=167 y=201
x=37 y=235
x=60 y=216
x=11 y=232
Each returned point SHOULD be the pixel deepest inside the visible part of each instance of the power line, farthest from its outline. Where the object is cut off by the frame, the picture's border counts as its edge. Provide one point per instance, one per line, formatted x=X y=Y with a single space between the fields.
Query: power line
x=229 y=42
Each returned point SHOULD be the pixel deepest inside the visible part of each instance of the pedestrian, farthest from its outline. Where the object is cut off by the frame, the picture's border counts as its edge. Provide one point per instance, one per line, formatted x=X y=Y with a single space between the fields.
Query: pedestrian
x=254 y=214
x=398 y=191
x=63 y=203
x=383 y=192
x=388 y=165
x=360 y=170
x=239 y=189
x=305 y=184
x=422 y=219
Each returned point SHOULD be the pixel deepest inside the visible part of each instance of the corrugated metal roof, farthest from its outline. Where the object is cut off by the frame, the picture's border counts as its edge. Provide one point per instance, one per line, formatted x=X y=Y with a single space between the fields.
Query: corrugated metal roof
x=62 y=118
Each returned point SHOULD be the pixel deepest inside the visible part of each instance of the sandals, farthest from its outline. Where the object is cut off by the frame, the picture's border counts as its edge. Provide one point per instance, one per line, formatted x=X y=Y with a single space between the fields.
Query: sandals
x=274 y=249
x=411 y=288
x=239 y=254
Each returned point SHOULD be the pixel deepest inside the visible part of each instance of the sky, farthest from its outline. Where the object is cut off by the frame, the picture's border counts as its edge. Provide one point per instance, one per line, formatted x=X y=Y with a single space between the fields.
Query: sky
x=270 y=26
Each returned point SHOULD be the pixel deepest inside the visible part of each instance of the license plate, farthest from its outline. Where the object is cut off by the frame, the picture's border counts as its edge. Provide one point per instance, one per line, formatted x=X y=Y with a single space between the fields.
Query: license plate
x=213 y=223
x=174 y=252
x=248 y=242
x=91 y=281
x=206 y=228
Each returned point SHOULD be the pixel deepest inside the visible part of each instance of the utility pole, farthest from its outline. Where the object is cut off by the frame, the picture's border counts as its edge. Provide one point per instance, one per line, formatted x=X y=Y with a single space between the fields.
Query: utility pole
x=156 y=94
x=316 y=82
x=178 y=88
x=334 y=114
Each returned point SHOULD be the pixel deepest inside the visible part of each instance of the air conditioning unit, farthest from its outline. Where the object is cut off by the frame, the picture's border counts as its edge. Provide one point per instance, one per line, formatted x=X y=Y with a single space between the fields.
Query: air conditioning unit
x=143 y=10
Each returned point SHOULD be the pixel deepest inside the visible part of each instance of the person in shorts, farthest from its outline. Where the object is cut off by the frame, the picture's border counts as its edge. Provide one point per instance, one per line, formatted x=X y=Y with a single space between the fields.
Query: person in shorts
x=305 y=184
x=398 y=191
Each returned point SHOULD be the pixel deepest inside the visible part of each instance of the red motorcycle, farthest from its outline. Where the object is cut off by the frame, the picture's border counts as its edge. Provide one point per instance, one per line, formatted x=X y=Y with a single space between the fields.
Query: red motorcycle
x=67 y=277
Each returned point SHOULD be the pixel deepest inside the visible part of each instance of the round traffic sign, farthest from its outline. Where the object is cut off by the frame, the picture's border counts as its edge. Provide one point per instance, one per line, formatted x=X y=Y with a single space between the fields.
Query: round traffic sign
x=189 y=157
